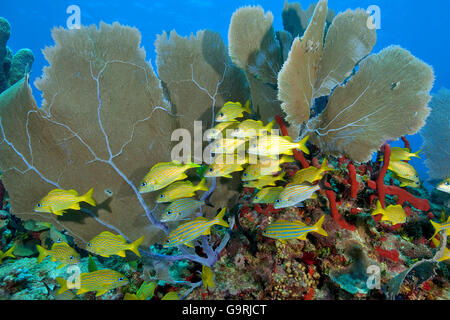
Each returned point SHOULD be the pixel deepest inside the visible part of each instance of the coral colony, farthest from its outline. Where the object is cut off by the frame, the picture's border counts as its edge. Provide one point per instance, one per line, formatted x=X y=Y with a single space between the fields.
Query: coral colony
x=294 y=192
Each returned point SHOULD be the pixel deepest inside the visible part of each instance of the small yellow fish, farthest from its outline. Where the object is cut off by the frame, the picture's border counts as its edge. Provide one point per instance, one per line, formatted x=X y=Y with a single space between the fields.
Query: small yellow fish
x=219 y=169
x=181 y=189
x=403 y=170
x=393 y=213
x=57 y=236
x=264 y=181
x=107 y=244
x=444 y=186
x=399 y=154
x=58 y=201
x=172 y=295
x=265 y=166
x=218 y=130
x=60 y=252
x=100 y=281
x=66 y=296
x=267 y=195
x=164 y=173
x=283 y=230
x=295 y=194
x=311 y=174
x=7 y=254
x=226 y=145
x=446 y=255
x=232 y=110
x=251 y=128
x=146 y=291
x=408 y=183
x=180 y=209
x=207 y=277
x=274 y=145
x=189 y=231
x=441 y=226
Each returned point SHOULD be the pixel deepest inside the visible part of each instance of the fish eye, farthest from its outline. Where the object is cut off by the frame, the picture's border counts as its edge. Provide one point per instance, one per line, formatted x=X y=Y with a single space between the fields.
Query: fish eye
x=447 y=183
x=221 y=114
x=71 y=257
x=161 y=196
x=143 y=184
x=245 y=174
x=256 y=197
x=277 y=201
x=89 y=244
x=39 y=205
x=211 y=169
x=59 y=240
x=169 y=212
x=121 y=279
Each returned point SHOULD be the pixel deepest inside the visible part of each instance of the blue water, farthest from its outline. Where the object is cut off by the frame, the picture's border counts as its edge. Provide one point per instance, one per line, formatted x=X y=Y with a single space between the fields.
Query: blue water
x=418 y=26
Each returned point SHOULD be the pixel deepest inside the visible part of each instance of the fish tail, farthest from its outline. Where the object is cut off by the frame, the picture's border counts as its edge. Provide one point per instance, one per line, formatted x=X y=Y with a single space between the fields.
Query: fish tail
x=42 y=253
x=135 y=246
x=302 y=145
x=318 y=226
x=379 y=209
x=270 y=125
x=247 y=107
x=62 y=284
x=202 y=185
x=281 y=176
x=219 y=218
x=9 y=252
x=416 y=154
x=324 y=167
x=437 y=228
x=87 y=197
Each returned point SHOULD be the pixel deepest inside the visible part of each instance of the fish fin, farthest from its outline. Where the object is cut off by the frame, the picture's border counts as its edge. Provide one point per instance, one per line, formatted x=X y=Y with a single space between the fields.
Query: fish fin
x=201 y=186
x=129 y=296
x=269 y=126
x=282 y=241
x=219 y=218
x=73 y=192
x=379 y=209
x=289 y=152
x=56 y=191
x=228 y=176
x=302 y=237
x=318 y=226
x=62 y=284
x=189 y=244
x=81 y=291
x=60 y=266
x=302 y=145
x=207 y=232
x=75 y=206
x=59 y=212
x=121 y=254
x=100 y=292
x=299 y=222
x=314 y=196
x=87 y=197
x=42 y=253
x=135 y=246
x=247 y=107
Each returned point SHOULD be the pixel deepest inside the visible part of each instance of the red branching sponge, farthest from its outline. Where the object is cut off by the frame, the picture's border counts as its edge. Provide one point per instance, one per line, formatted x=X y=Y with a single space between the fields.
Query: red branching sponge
x=406 y=143
x=386 y=149
x=298 y=155
x=334 y=211
x=353 y=182
x=372 y=184
x=392 y=255
x=403 y=196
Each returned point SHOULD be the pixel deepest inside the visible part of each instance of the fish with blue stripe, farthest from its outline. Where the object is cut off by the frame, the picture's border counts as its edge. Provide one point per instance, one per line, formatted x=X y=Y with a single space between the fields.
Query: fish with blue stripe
x=181 y=189
x=164 y=173
x=180 y=209
x=60 y=252
x=107 y=244
x=293 y=195
x=189 y=231
x=283 y=230
x=57 y=201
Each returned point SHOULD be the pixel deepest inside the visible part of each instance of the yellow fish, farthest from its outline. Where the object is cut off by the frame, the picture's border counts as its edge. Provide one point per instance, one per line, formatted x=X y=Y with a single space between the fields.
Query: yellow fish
x=251 y=128
x=222 y=167
x=189 y=231
x=172 y=295
x=264 y=181
x=232 y=110
x=444 y=186
x=57 y=236
x=146 y=291
x=394 y=214
x=226 y=145
x=164 y=173
x=311 y=174
x=408 y=183
x=267 y=195
x=399 y=154
x=285 y=230
x=107 y=244
x=100 y=281
x=295 y=194
x=264 y=166
x=60 y=252
x=217 y=131
x=180 y=209
x=207 y=277
x=7 y=254
x=403 y=170
x=58 y=201
x=274 y=145
x=441 y=226
x=181 y=189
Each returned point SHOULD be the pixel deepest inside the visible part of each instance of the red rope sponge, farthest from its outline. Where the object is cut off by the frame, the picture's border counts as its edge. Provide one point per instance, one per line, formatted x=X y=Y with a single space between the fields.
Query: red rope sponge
x=386 y=149
x=298 y=155
x=353 y=182
x=403 y=196
x=334 y=211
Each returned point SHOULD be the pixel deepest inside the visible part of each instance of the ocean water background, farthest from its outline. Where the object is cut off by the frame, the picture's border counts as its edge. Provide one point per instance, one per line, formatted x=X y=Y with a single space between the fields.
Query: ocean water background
x=419 y=26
